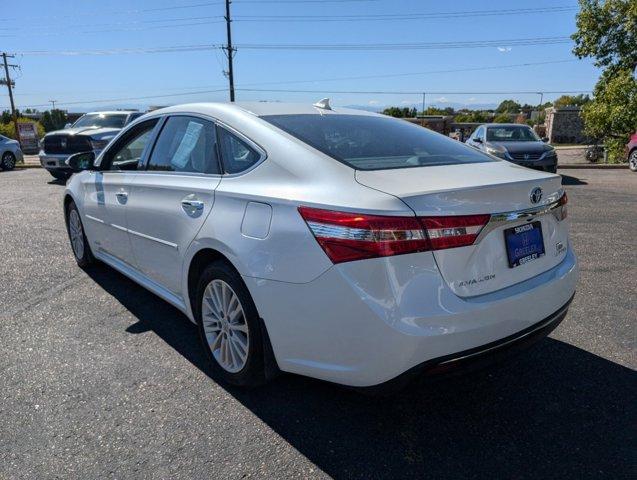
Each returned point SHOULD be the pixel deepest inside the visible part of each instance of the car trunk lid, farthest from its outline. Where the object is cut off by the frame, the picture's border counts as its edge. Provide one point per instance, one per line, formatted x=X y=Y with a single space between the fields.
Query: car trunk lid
x=500 y=189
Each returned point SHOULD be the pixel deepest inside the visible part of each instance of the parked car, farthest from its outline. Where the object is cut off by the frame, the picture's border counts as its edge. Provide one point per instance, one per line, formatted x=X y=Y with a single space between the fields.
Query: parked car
x=333 y=243
x=10 y=153
x=631 y=152
x=91 y=131
x=515 y=143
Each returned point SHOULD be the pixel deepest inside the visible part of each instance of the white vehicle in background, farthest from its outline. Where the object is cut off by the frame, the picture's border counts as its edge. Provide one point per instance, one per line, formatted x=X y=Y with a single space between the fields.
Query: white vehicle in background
x=333 y=243
x=92 y=131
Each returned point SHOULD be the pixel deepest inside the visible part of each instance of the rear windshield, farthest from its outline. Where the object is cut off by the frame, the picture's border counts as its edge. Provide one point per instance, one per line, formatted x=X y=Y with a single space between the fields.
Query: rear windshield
x=375 y=143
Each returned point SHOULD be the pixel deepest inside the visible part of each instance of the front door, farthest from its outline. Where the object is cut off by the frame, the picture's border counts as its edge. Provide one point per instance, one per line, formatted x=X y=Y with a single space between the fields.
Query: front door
x=170 y=201
x=107 y=193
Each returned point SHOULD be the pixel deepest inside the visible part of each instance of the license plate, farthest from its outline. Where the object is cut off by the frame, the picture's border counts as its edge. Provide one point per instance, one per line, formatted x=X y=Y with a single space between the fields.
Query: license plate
x=524 y=243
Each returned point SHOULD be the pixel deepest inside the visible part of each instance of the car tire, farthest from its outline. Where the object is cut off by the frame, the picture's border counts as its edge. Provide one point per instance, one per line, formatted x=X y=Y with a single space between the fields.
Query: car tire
x=8 y=161
x=632 y=160
x=231 y=333
x=64 y=176
x=79 y=244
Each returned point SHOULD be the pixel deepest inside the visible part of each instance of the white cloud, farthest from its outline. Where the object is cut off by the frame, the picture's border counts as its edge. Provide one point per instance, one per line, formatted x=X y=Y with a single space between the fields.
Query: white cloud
x=442 y=99
x=407 y=102
x=374 y=102
x=504 y=49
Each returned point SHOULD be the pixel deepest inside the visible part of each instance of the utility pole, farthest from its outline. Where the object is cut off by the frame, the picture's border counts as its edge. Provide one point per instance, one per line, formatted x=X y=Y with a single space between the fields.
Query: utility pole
x=7 y=81
x=53 y=104
x=229 y=51
x=423 y=102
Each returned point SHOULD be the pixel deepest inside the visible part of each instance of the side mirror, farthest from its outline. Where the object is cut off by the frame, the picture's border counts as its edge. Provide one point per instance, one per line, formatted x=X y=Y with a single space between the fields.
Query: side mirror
x=545 y=139
x=81 y=161
x=477 y=140
x=67 y=125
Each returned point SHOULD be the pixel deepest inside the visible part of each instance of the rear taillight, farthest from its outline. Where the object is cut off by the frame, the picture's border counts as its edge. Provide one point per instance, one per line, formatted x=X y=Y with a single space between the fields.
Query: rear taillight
x=562 y=203
x=453 y=231
x=352 y=236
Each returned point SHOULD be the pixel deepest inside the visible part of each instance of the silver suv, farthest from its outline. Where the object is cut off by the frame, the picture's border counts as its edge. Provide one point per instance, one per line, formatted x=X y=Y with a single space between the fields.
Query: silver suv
x=91 y=132
x=515 y=143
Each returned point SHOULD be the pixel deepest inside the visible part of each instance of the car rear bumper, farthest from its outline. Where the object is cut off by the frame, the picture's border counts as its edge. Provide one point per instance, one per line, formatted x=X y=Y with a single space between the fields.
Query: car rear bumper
x=365 y=323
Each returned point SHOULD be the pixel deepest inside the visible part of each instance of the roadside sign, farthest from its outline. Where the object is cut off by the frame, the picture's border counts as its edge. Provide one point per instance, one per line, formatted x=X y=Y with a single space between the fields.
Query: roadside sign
x=28 y=136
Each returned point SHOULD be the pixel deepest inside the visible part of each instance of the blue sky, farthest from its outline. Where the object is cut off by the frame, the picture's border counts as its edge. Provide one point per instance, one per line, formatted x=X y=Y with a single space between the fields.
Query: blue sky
x=80 y=26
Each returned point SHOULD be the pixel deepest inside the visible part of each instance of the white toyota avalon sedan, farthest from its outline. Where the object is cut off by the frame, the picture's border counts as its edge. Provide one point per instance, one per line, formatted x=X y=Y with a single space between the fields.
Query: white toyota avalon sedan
x=333 y=243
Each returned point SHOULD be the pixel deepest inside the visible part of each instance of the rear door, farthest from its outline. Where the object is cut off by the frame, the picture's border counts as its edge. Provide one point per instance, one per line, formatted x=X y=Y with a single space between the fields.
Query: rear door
x=171 y=199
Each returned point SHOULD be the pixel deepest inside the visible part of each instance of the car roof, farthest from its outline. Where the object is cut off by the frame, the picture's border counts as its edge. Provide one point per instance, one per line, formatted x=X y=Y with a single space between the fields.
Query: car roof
x=112 y=112
x=260 y=109
x=504 y=125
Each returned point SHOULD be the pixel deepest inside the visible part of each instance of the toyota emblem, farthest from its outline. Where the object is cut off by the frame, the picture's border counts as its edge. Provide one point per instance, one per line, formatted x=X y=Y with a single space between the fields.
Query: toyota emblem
x=536 y=195
x=526 y=156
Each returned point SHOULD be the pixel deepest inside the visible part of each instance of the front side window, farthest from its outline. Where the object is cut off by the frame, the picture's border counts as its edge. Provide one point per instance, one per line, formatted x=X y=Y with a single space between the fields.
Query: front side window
x=511 y=133
x=186 y=144
x=127 y=151
x=375 y=143
x=102 y=120
x=237 y=155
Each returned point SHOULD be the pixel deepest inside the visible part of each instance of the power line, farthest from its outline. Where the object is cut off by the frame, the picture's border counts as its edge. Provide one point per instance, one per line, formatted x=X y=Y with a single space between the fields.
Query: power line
x=317 y=92
x=412 y=46
x=176 y=7
x=361 y=77
x=132 y=25
x=405 y=16
x=385 y=92
x=127 y=99
x=355 y=47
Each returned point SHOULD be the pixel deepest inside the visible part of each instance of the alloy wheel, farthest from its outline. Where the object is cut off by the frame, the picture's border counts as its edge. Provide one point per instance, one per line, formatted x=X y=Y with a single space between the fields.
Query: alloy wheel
x=225 y=326
x=8 y=161
x=76 y=234
x=632 y=161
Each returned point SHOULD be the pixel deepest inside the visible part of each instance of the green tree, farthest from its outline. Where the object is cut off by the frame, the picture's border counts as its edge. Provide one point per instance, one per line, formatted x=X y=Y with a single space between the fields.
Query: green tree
x=400 y=112
x=509 y=106
x=475 y=116
x=607 y=32
x=439 y=111
x=8 y=130
x=502 y=118
x=569 y=100
x=54 y=120
x=612 y=114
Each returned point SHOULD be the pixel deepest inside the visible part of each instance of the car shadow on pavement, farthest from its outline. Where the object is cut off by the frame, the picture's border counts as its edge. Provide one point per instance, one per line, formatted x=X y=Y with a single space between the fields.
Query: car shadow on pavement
x=570 y=180
x=556 y=411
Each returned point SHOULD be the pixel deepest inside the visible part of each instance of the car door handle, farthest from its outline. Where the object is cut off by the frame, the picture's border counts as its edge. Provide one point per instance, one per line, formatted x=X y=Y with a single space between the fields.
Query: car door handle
x=192 y=205
x=122 y=194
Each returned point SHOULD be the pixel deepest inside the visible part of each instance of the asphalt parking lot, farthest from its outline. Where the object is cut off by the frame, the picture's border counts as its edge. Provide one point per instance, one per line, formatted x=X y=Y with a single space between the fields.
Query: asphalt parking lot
x=99 y=378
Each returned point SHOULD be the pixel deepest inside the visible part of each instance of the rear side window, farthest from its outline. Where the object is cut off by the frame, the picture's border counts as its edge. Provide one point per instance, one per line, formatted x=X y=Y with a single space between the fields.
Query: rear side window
x=237 y=154
x=375 y=143
x=186 y=144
